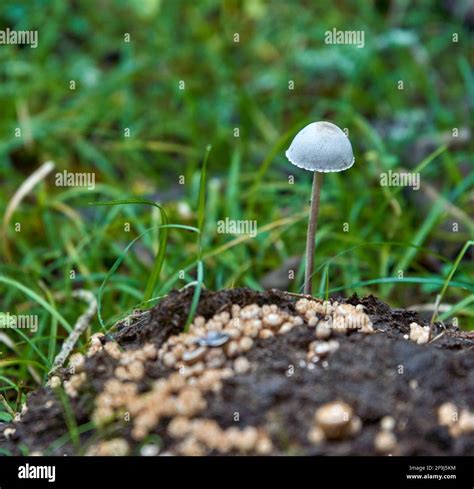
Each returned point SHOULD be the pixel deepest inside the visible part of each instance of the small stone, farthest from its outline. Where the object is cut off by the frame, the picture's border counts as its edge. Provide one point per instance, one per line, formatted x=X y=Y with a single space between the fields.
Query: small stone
x=316 y=435
x=285 y=328
x=149 y=450
x=178 y=351
x=194 y=356
x=233 y=333
x=297 y=321
x=246 y=343
x=247 y=439
x=387 y=423
x=54 y=382
x=199 y=321
x=241 y=365
x=419 y=334
x=448 y=414
x=385 y=442
x=313 y=321
x=77 y=362
x=252 y=328
x=179 y=427
x=9 y=432
x=232 y=349
x=214 y=339
x=355 y=425
x=213 y=325
x=113 y=350
x=250 y=312
x=235 y=310
x=169 y=360
x=265 y=334
x=466 y=422
x=225 y=317
x=190 y=447
x=323 y=330
x=273 y=320
x=264 y=446
x=334 y=419
x=302 y=306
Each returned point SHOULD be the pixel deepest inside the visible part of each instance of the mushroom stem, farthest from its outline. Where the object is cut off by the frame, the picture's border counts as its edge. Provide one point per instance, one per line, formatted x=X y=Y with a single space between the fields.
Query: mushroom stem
x=312 y=226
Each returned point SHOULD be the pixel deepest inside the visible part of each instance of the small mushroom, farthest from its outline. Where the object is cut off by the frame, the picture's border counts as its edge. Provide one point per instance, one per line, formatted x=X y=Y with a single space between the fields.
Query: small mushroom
x=320 y=147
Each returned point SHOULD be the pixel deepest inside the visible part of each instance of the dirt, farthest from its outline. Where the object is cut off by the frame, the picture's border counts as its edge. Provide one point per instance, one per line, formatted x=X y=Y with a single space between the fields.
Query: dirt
x=378 y=375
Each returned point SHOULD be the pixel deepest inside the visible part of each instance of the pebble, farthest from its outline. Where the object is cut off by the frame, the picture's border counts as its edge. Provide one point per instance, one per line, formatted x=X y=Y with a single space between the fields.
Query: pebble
x=385 y=441
x=323 y=330
x=419 y=334
x=149 y=450
x=316 y=435
x=265 y=334
x=273 y=320
x=246 y=343
x=334 y=419
x=448 y=414
x=213 y=339
x=9 y=432
x=241 y=365
x=169 y=360
x=387 y=423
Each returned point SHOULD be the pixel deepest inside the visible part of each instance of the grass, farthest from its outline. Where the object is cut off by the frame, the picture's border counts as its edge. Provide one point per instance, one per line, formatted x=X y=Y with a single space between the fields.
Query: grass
x=394 y=242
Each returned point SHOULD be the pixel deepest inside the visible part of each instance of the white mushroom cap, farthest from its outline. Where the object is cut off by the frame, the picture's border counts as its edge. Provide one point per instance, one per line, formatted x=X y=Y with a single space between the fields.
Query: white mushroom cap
x=321 y=146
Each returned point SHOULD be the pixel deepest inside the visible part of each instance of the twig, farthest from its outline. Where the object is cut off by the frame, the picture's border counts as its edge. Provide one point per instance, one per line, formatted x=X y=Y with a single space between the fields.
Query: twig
x=81 y=325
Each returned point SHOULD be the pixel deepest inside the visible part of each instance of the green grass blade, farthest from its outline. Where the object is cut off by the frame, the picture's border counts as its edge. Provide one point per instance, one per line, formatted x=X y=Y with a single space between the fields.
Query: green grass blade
x=202 y=199
x=408 y=280
x=37 y=298
x=119 y=261
x=160 y=256
x=196 y=296
x=460 y=256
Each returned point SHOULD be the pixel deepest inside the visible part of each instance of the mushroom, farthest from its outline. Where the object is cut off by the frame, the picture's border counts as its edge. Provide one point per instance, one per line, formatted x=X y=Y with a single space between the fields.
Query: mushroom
x=320 y=147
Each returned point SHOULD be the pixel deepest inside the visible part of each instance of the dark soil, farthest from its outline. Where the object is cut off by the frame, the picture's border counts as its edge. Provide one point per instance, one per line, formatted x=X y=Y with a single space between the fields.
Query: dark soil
x=378 y=375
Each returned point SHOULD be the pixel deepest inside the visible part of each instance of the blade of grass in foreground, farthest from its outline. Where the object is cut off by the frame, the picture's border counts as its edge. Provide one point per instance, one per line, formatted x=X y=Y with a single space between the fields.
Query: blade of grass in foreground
x=201 y=216
x=37 y=298
x=120 y=259
x=196 y=295
x=408 y=280
x=202 y=199
x=459 y=307
x=70 y=418
x=418 y=240
x=61 y=441
x=160 y=256
x=466 y=246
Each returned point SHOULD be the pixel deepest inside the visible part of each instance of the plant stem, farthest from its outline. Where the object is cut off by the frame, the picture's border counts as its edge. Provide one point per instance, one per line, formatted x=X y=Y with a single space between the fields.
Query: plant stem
x=312 y=226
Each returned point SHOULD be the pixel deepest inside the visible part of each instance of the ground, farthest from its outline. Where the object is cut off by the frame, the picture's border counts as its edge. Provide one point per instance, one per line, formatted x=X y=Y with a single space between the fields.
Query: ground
x=382 y=375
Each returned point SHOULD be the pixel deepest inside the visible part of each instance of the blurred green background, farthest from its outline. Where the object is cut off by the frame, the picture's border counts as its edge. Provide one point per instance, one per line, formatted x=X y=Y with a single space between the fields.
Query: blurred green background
x=182 y=83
